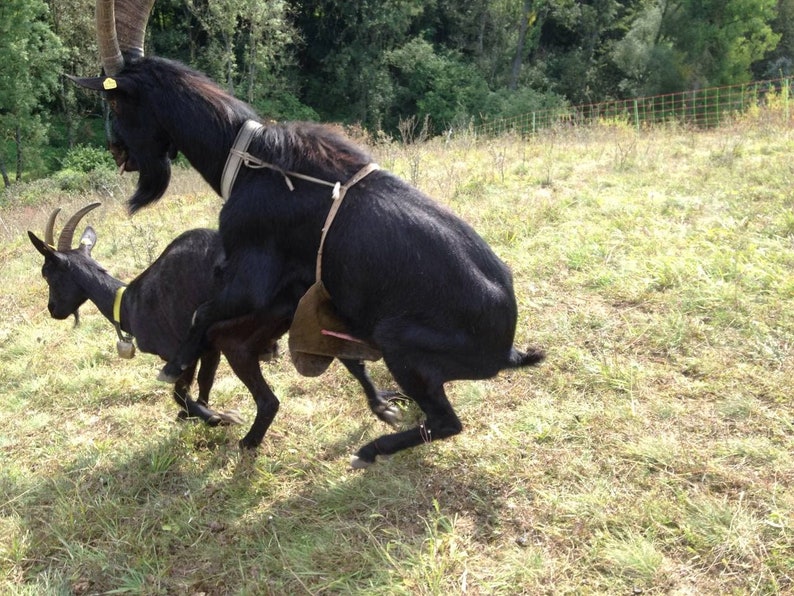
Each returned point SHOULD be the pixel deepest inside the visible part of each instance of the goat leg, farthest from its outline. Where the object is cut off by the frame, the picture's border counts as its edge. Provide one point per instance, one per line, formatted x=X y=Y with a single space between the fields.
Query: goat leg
x=190 y=350
x=378 y=401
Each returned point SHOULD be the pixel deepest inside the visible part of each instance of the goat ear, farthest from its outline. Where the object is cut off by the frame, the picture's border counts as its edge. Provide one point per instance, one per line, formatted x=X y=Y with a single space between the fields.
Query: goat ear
x=98 y=83
x=88 y=239
x=93 y=83
x=41 y=246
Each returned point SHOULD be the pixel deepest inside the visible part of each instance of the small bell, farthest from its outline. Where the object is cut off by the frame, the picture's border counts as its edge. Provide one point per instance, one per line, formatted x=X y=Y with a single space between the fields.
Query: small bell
x=126 y=349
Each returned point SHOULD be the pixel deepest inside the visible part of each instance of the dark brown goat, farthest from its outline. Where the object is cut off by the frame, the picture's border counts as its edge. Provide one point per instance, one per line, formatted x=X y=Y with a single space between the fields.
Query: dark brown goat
x=156 y=309
x=403 y=274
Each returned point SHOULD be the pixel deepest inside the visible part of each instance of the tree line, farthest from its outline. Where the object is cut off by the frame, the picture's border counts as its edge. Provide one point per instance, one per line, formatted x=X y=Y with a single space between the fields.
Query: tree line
x=450 y=63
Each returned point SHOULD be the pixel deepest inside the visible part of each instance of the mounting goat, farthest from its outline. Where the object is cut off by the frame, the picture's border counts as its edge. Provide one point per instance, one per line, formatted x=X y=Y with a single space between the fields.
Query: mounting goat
x=403 y=274
x=156 y=309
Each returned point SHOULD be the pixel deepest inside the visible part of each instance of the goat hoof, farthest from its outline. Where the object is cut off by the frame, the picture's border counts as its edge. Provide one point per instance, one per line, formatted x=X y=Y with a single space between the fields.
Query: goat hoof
x=229 y=417
x=391 y=415
x=247 y=446
x=358 y=463
x=165 y=377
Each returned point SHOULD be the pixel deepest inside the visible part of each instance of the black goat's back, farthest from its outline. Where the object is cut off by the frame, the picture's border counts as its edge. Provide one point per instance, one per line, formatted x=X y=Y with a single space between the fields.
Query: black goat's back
x=166 y=295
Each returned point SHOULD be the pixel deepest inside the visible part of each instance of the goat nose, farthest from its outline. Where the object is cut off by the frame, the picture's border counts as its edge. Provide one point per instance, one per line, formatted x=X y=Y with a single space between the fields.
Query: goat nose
x=53 y=307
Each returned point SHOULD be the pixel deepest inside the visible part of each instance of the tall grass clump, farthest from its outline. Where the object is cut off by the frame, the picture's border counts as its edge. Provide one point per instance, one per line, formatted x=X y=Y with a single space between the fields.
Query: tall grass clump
x=651 y=454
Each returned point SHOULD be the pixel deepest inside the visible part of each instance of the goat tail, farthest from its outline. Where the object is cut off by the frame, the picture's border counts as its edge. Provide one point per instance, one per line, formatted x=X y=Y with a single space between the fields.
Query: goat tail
x=529 y=358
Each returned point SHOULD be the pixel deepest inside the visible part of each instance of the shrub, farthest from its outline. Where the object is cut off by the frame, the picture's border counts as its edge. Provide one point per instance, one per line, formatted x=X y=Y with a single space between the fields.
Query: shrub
x=71 y=180
x=30 y=194
x=85 y=159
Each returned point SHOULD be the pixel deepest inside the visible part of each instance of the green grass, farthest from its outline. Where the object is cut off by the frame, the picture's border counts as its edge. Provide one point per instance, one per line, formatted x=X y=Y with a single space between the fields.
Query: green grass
x=652 y=453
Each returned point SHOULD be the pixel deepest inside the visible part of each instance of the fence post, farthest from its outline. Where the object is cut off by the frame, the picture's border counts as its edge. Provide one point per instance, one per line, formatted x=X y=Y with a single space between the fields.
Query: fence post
x=636 y=117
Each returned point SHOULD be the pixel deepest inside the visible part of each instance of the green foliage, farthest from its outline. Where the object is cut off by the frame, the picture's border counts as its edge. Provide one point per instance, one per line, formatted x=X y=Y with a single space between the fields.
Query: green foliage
x=447 y=62
x=780 y=61
x=507 y=104
x=28 y=194
x=717 y=42
x=343 y=72
x=85 y=158
x=285 y=106
x=29 y=54
x=85 y=169
x=430 y=85
x=71 y=180
x=649 y=65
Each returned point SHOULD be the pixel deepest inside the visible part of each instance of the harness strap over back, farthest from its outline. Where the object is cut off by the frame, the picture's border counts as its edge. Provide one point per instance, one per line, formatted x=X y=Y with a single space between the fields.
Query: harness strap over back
x=317 y=334
x=338 y=196
x=239 y=156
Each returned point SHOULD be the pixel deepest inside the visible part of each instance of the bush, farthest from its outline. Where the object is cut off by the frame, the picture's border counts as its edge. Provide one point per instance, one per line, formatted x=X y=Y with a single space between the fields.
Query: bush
x=71 y=180
x=86 y=159
x=86 y=169
x=439 y=86
x=29 y=194
x=507 y=103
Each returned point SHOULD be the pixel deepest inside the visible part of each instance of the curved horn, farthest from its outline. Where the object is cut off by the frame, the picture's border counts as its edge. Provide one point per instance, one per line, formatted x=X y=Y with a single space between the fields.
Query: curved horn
x=65 y=239
x=109 y=52
x=131 y=19
x=48 y=236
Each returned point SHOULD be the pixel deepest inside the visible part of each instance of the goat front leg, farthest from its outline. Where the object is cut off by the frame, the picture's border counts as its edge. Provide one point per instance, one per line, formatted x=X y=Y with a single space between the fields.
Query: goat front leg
x=197 y=409
x=379 y=401
x=191 y=349
x=246 y=366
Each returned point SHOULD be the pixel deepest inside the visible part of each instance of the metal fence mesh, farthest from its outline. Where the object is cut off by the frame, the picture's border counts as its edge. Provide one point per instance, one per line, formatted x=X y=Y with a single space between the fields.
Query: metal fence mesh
x=705 y=108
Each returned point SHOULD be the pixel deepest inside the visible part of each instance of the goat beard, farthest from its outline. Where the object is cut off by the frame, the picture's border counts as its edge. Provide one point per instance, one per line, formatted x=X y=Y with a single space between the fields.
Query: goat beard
x=153 y=181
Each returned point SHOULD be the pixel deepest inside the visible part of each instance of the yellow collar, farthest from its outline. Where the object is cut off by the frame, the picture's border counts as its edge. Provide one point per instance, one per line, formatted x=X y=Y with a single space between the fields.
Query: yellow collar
x=117 y=305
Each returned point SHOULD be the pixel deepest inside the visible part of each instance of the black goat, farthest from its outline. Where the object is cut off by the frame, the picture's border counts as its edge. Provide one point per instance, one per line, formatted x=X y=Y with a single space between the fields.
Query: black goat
x=156 y=309
x=404 y=274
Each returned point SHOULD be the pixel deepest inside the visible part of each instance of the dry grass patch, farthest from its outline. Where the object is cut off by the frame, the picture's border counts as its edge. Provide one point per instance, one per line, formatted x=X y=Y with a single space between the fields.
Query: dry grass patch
x=651 y=453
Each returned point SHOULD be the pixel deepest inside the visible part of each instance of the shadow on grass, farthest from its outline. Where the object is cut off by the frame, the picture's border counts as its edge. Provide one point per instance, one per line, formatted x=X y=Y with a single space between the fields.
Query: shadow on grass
x=187 y=513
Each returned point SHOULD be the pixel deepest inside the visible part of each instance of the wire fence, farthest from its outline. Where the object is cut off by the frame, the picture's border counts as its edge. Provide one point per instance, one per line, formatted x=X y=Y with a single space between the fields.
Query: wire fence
x=703 y=108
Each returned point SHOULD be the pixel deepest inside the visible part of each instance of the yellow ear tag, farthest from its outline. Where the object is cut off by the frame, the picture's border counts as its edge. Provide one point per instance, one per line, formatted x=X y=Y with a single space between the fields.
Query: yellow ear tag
x=109 y=83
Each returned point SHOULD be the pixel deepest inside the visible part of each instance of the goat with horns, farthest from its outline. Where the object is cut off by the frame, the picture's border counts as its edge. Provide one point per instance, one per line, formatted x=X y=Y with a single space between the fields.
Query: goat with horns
x=156 y=308
x=383 y=269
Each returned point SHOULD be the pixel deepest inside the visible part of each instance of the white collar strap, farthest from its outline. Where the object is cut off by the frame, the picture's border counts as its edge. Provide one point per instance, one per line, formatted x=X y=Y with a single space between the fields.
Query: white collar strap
x=236 y=156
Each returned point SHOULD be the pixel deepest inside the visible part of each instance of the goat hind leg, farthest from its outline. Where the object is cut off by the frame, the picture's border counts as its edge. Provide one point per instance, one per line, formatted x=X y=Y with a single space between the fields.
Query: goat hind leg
x=206 y=374
x=206 y=378
x=440 y=422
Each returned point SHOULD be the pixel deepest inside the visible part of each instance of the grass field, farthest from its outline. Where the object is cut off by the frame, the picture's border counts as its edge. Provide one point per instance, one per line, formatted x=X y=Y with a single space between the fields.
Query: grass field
x=652 y=453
